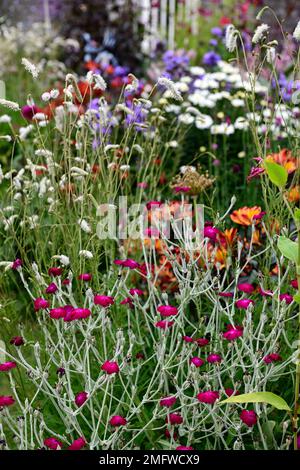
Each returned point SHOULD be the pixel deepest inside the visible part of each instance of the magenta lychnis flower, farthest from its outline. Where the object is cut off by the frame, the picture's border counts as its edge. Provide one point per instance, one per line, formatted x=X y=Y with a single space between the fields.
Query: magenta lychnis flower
x=85 y=277
x=167 y=310
x=78 y=444
x=52 y=288
x=81 y=398
x=110 y=367
x=103 y=300
x=40 y=304
x=164 y=324
x=273 y=357
x=52 y=443
x=174 y=418
x=6 y=400
x=233 y=332
x=214 y=358
x=248 y=417
x=117 y=420
x=197 y=361
x=208 y=397
x=244 y=303
x=167 y=401
x=127 y=263
x=246 y=287
x=7 y=366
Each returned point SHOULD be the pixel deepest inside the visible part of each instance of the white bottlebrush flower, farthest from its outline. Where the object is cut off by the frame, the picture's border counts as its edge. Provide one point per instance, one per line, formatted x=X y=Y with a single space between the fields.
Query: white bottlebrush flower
x=86 y=254
x=231 y=38
x=100 y=83
x=83 y=224
x=271 y=55
x=172 y=144
x=296 y=33
x=171 y=87
x=259 y=32
x=125 y=167
x=65 y=260
x=7 y=138
x=186 y=118
x=9 y=104
x=31 y=68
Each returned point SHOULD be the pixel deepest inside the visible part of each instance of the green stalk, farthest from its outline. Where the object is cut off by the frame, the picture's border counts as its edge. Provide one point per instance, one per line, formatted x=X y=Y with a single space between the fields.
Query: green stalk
x=297 y=381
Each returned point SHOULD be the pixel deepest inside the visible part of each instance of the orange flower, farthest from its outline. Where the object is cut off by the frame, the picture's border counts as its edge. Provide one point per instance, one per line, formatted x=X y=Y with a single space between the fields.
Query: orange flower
x=294 y=194
x=228 y=237
x=244 y=215
x=285 y=159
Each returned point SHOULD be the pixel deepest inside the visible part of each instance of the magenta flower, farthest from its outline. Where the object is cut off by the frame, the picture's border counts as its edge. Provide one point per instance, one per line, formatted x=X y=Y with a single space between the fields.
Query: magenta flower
x=255 y=172
x=214 y=358
x=294 y=283
x=81 y=398
x=287 y=298
x=127 y=263
x=52 y=288
x=233 y=332
x=225 y=294
x=135 y=292
x=246 y=287
x=273 y=357
x=197 y=361
x=6 y=366
x=167 y=401
x=52 y=443
x=69 y=309
x=208 y=397
x=110 y=367
x=17 y=341
x=85 y=277
x=81 y=313
x=29 y=111
x=6 y=400
x=16 y=264
x=40 y=304
x=103 y=300
x=230 y=391
x=174 y=418
x=298 y=442
x=163 y=324
x=127 y=301
x=244 y=303
x=188 y=339
x=248 y=417
x=117 y=420
x=182 y=189
x=78 y=444
x=184 y=448
x=211 y=233
x=152 y=204
x=202 y=342
x=57 y=313
x=265 y=293
x=55 y=272
x=167 y=310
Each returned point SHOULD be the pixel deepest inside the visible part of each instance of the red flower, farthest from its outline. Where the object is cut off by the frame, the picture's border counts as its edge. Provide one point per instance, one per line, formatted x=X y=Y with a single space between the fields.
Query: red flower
x=6 y=400
x=208 y=397
x=17 y=341
x=110 y=367
x=52 y=443
x=117 y=420
x=184 y=448
x=78 y=444
x=174 y=418
x=167 y=310
x=273 y=357
x=249 y=418
x=81 y=398
x=168 y=401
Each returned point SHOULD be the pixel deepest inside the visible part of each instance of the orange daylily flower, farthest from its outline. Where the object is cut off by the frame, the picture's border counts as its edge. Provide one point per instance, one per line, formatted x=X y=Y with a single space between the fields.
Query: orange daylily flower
x=244 y=215
x=285 y=159
x=294 y=194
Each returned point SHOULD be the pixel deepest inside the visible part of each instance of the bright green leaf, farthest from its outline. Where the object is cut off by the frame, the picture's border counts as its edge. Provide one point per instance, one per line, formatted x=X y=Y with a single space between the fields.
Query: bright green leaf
x=297 y=298
x=259 y=397
x=288 y=248
x=297 y=214
x=277 y=173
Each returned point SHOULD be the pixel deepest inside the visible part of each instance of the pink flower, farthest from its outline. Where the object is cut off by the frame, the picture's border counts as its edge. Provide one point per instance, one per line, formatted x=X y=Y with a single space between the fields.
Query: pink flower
x=16 y=264
x=273 y=357
x=184 y=448
x=85 y=277
x=135 y=292
x=211 y=233
x=142 y=185
x=163 y=324
x=127 y=301
x=230 y=391
x=294 y=283
x=57 y=313
x=168 y=401
x=287 y=298
x=52 y=443
x=246 y=287
x=52 y=288
x=78 y=444
x=117 y=420
x=208 y=397
x=167 y=310
x=174 y=418
x=110 y=367
x=80 y=313
x=151 y=232
x=69 y=309
x=17 y=341
x=255 y=172
x=40 y=304
x=182 y=189
x=154 y=204
x=188 y=339
x=103 y=300
x=225 y=294
x=214 y=358
x=81 y=398
x=265 y=293
x=244 y=303
x=233 y=332
x=6 y=400
x=197 y=361
x=6 y=366
x=202 y=342
x=248 y=417
x=259 y=216
x=55 y=272
x=127 y=263
x=29 y=111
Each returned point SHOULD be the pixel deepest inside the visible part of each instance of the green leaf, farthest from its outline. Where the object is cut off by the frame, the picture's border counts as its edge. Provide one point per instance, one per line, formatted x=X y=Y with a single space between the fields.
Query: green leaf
x=288 y=248
x=297 y=215
x=277 y=173
x=297 y=298
x=259 y=397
